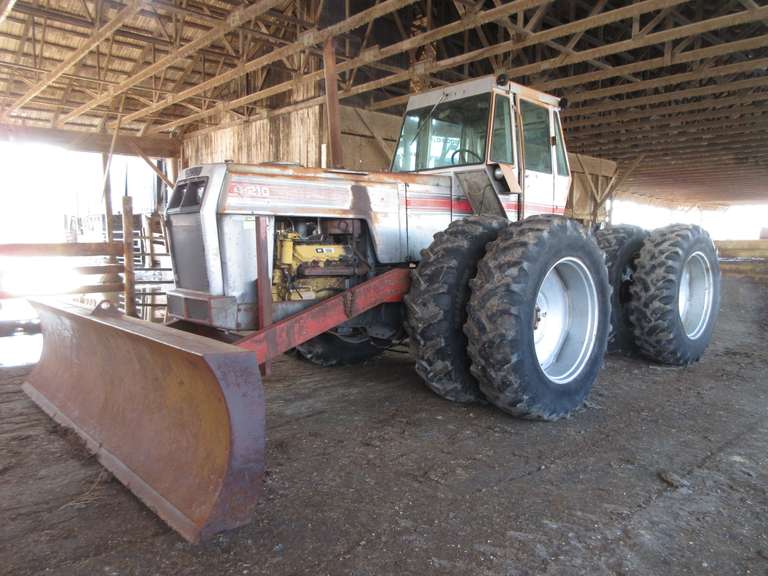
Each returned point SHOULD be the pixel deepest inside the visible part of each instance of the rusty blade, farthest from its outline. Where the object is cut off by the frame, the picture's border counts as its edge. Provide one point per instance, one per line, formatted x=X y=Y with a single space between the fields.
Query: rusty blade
x=176 y=417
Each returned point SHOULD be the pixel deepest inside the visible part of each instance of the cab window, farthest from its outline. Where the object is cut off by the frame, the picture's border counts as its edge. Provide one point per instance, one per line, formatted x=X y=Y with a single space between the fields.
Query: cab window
x=448 y=133
x=502 y=146
x=538 y=147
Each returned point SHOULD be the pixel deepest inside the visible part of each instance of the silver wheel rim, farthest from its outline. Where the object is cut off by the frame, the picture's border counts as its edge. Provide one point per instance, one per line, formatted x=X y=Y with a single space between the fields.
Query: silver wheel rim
x=694 y=296
x=565 y=320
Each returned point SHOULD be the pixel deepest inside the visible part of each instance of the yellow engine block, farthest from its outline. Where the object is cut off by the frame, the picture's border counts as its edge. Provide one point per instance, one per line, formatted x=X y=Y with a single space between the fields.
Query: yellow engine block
x=287 y=281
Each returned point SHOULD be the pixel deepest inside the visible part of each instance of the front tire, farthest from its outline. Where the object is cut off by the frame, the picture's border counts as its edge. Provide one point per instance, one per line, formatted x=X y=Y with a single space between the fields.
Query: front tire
x=329 y=350
x=436 y=306
x=539 y=317
x=675 y=297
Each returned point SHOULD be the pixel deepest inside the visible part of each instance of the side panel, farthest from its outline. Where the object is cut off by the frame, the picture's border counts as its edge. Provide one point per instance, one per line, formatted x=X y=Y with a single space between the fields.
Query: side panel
x=237 y=237
x=429 y=210
x=376 y=202
x=188 y=251
x=539 y=190
x=479 y=192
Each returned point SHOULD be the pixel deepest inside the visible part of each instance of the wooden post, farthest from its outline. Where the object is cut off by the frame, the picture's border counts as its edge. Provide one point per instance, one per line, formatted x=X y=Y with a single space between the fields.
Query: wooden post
x=148 y=161
x=129 y=280
x=263 y=285
x=333 y=112
x=150 y=234
x=106 y=189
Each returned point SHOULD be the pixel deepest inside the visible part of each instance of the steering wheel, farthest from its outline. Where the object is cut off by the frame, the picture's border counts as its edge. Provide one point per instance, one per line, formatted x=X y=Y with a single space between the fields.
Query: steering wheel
x=472 y=152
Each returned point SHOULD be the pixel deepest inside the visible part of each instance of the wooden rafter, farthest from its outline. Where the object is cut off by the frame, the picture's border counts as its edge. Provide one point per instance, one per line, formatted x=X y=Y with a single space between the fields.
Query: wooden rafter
x=5 y=8
x=130 y=10
x=309 y=38
x=683 y=81
x=431 y=36
x=243 y=14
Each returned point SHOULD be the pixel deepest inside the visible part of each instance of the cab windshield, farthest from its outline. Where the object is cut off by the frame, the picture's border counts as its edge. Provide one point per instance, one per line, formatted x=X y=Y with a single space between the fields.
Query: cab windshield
x=447 y=134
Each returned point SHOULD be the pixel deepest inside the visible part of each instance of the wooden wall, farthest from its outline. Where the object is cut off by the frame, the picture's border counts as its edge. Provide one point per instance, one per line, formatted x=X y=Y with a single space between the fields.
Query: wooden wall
x=298 y=137
x=291 y=137
x=362 y=150
x=581 y=198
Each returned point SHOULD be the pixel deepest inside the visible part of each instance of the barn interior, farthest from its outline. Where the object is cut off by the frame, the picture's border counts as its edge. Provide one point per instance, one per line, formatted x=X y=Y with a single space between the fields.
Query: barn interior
x=663 y=105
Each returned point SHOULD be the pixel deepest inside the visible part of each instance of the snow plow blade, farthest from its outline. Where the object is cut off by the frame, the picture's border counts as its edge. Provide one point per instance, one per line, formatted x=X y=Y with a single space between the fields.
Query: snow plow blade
x=176 y=417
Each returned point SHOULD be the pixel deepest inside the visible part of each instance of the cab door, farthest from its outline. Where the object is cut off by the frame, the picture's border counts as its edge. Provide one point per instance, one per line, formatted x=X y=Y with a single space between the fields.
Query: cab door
x=562 y=169
x=538 y=147
x=502 y=152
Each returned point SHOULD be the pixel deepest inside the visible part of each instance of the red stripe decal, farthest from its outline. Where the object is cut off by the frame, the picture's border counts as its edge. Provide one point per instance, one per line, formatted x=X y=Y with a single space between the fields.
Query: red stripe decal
x=458 y=205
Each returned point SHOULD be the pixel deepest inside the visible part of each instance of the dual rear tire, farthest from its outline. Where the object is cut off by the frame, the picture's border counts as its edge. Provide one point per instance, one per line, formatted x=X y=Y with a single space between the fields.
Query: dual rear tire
x=437 y=301
x=538 y=318
x=668 y=287
x=675 y=296
x=520 y=314
x=535 y=316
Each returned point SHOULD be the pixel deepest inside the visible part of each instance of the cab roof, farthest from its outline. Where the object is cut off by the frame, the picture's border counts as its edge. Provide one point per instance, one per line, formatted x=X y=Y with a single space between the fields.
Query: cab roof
x=482 y=85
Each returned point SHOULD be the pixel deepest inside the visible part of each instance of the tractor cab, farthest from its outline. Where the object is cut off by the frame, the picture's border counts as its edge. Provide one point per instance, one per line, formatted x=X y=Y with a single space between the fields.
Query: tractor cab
x=489 y=132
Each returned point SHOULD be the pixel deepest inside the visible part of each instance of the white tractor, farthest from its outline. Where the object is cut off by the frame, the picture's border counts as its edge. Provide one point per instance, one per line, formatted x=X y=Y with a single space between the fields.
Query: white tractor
x=509 y=301
x=462 y=245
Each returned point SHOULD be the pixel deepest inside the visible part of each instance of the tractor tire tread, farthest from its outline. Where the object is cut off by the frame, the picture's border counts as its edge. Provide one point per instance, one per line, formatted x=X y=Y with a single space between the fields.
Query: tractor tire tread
x=653 y=308
x=436 y=305
x=621 y=244
x=502 y=284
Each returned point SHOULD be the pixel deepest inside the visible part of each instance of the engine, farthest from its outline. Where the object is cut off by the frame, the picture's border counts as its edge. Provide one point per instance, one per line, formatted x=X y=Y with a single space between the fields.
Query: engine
x=319 y=258
x=315 y=259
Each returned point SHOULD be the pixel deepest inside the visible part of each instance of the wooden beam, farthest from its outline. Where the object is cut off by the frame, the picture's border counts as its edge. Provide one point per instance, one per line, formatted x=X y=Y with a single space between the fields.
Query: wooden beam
x=375 y=54
x=621 y=176
x=130 y=10
x=717 y=23
x=385 y=150
x=5 y=8
x=701 y=74
x=153 y=146
x=686 y=168
x=14 y=67
x=691 y=130
x=700 y=161
x=160 y=174
x=618 y=129
x=746 y=154
x=584 y=55
x=611 y=105
x=129 y=280
x=718 y=142
x=62 y=249
x=366 y=57
x=596 y=9
x=749 y=140
x=676 y=109
x=333 y=115
x=200 y=20
x=234 y=20
x=106 y=186
x=129 y=37
x=308 y=38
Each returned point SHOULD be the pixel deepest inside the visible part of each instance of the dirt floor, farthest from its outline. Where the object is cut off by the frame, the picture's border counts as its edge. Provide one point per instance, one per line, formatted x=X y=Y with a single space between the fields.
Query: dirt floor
x=665 y=472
